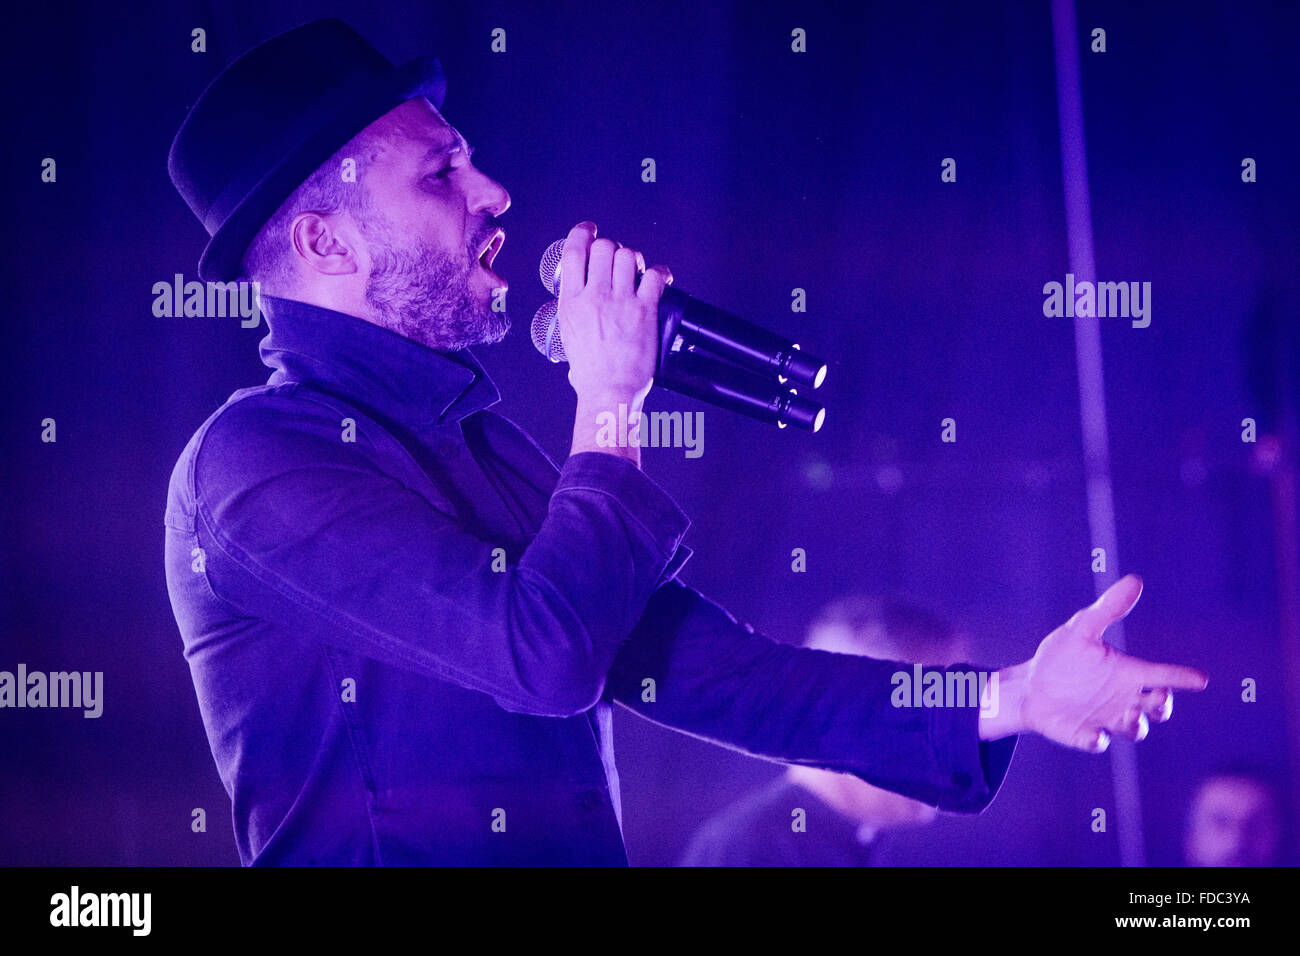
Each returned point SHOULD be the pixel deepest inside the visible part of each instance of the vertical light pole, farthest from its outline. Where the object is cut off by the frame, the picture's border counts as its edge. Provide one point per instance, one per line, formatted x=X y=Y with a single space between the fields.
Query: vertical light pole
x=1092 y=395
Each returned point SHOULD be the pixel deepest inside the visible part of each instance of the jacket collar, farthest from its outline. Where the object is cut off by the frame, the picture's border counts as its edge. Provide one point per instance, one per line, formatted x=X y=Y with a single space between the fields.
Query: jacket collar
x=355 y=359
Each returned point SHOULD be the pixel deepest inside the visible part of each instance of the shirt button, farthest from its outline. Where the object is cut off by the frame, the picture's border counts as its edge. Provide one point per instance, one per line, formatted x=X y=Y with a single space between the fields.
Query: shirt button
x=961 y=780
x=448 y=448
x=592 y=800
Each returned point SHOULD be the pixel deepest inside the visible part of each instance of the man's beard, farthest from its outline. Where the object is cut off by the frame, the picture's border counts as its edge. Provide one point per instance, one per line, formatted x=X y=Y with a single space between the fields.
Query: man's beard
x=423 y=293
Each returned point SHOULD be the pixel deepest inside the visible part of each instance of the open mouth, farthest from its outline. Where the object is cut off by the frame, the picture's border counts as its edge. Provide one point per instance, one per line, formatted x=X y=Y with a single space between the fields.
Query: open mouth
x=488 y=253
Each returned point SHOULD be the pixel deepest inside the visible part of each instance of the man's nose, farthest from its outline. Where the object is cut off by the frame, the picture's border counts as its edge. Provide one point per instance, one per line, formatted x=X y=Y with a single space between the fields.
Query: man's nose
x=488 y=197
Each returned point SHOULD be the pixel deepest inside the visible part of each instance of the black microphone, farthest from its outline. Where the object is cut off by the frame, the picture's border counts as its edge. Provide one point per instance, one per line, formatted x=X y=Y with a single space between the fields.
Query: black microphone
x=689 y=371
x=710 y=355
x=719 y=332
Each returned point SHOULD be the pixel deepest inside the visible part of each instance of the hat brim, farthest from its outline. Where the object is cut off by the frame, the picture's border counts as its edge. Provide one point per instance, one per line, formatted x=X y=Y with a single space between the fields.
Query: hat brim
x=314 y=140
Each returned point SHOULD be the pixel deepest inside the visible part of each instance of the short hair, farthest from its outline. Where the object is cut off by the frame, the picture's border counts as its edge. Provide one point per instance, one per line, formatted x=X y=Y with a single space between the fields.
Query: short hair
x=1264 y=777
x=267 y=260
x=887 y=627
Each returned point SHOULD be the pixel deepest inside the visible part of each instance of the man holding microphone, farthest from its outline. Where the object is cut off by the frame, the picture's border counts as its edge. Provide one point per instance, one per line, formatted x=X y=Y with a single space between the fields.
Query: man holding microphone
x=406 y=627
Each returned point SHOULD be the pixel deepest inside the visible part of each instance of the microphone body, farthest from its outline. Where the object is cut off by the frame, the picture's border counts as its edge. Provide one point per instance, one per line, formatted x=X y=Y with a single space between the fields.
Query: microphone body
x=740 y=342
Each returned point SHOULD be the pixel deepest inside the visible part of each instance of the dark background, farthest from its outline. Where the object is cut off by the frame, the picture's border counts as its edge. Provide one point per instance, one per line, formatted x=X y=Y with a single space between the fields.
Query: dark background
x=775 y=170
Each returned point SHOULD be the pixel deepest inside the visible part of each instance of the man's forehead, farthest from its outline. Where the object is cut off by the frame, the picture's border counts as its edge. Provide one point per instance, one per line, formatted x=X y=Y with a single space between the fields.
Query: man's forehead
x=1219 y=790
x=414 y=126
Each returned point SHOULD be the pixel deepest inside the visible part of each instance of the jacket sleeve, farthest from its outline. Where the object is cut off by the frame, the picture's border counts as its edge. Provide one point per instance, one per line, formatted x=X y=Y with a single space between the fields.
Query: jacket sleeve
x=311 y=531
x=717 y=679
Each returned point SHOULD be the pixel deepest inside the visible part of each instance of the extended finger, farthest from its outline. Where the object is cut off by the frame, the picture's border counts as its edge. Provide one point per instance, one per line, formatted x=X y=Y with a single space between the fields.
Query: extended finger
x=573 y=261
x=1174 y=676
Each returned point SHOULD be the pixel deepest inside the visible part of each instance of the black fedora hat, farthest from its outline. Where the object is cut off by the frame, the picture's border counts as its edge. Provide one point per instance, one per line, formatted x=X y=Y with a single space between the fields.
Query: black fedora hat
x=267 y=122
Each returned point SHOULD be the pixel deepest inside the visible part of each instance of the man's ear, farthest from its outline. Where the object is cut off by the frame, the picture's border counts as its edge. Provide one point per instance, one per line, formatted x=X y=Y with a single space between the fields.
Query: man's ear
x=322 y=245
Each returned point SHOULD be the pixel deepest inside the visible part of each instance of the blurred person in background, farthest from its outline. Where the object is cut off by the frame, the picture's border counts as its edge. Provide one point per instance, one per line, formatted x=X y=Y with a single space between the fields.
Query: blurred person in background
x=846 y=819
x=1236 y=818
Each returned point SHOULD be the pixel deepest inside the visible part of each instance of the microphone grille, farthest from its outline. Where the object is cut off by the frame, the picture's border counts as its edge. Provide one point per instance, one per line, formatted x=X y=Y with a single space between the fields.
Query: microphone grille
x=546 y=331
x=549 y=269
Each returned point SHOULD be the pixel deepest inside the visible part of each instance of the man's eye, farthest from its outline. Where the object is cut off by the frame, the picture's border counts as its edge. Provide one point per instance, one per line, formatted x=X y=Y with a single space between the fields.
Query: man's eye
x=440 y=174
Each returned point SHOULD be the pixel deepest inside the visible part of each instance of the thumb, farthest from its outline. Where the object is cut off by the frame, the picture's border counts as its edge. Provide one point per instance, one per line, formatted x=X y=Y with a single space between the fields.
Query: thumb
x=1115 y=602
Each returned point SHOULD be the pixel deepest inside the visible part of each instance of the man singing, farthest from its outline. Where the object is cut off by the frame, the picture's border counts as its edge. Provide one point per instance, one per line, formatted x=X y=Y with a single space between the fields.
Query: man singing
x=405 y=627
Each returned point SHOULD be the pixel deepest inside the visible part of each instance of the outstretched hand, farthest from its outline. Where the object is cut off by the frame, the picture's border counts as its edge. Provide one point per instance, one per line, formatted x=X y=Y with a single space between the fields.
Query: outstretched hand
x=1077 y=690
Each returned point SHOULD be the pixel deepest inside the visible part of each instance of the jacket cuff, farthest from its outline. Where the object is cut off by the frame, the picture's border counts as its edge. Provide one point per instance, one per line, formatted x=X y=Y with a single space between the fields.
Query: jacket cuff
x=972 y=769
x=643 y=501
